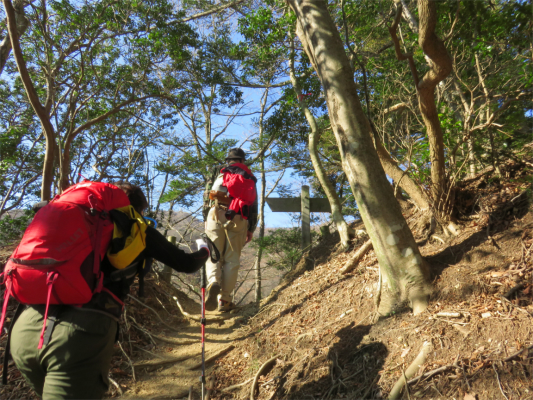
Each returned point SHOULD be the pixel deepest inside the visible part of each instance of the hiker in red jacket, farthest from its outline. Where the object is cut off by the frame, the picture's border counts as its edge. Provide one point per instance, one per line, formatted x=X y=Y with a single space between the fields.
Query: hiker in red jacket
x=230 y=215
x=75 y=357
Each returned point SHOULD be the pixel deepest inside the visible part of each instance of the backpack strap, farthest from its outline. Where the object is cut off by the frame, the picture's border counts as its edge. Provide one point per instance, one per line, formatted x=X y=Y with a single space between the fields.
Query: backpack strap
x=8 y=280
x=50 y=283
x=141 y=279
x=52 y=319
x=7 y=352
x=101 y=216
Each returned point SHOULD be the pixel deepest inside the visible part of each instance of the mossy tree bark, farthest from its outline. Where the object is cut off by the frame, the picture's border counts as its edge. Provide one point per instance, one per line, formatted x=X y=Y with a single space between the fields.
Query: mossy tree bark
x=405 y=275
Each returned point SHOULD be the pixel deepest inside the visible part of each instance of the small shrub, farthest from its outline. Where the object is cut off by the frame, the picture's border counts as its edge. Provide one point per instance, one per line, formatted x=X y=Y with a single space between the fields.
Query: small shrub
x=13 y=227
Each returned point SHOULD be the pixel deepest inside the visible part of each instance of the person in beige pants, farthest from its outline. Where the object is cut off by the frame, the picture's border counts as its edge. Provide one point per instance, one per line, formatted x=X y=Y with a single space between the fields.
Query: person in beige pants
x=229 y=236
x=229 y=241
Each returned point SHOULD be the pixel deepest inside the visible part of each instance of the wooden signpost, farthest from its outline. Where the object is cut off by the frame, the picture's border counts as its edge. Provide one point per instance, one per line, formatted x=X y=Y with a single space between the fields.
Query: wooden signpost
x=303 y=204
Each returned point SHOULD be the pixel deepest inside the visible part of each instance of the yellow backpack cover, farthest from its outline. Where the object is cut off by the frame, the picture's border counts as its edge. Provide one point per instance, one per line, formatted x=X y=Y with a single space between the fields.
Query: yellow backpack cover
x=129 y=237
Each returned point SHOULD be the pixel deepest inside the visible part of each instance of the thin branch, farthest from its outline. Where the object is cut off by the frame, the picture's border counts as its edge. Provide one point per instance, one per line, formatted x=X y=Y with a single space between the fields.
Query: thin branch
x=155 y=312
x=276 y=183
x=399 y=55
x=209 y=12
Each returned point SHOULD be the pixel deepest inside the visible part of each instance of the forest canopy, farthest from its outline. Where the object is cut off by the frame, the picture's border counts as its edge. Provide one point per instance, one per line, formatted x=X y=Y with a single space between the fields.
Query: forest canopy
x=154 y=92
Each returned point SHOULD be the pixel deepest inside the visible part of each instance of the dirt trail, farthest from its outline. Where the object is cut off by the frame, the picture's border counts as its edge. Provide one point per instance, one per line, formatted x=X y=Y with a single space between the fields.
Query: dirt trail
x=172 y=380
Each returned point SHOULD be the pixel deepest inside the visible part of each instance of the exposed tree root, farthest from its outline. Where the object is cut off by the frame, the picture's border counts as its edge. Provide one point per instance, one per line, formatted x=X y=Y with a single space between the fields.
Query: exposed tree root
x=352 y=263
x=432 y=373
x=455 y=364
x=238 y=385
x=438 y=238
x=199 y=317
x=259 y=373
x=409 y=373
x=119 y=389
x=129 y=361
x=513 y=290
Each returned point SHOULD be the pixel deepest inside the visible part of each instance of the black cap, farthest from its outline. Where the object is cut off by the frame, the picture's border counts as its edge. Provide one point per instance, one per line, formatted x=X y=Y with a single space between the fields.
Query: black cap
x=236 y=153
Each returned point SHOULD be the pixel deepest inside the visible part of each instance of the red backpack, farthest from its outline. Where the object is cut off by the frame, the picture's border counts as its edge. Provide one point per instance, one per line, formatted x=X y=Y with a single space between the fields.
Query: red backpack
x=58 y=258
x=241 y=187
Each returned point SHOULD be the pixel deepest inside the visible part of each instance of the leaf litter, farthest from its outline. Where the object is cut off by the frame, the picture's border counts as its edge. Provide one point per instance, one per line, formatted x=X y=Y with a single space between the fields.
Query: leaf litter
x=319 y=325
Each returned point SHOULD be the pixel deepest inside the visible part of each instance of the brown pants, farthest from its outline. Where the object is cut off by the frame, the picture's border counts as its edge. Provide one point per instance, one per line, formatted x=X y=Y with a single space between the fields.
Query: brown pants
x=229 y=242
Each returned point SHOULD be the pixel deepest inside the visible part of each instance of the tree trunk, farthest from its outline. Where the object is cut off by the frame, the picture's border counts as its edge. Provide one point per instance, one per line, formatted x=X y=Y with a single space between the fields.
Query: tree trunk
x=64 y=162
x=401 y=178
x=257 y=265
x=258 y=276
x=405 y=273
x=22 y=24
x=314 y=137
x=48 y=129
x=440 y=65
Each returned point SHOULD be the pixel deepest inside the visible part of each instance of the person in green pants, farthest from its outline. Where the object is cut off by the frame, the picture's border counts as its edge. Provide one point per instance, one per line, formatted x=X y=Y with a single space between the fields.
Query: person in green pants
x=75 y=361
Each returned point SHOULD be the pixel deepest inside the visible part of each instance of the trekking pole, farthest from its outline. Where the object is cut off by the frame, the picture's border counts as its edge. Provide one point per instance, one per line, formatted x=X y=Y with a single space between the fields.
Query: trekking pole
x=214 y=254
x=202 y=321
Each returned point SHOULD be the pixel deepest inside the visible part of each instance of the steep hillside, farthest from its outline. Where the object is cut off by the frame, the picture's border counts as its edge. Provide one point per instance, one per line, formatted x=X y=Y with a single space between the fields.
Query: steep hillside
x=317 y=336
x=320 y=330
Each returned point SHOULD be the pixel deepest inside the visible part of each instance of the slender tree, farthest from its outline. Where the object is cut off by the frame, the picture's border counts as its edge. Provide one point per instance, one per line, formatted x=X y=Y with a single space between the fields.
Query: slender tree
x=440 y=64
x=404 y=273
x=22 y=23
x=314 y=137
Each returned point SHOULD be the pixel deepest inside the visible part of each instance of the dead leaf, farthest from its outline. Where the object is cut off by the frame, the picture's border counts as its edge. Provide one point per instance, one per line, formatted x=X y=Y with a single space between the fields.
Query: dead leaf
x=405 y=352
x=470 y=396
x=462 y=329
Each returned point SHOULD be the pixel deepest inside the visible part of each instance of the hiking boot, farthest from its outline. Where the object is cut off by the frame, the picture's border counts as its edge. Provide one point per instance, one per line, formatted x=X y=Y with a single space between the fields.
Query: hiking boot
x=211 y=297
x=225 y=306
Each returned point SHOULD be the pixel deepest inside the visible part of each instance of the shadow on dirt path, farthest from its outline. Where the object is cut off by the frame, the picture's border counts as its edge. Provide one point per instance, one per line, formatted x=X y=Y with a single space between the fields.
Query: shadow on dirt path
x=349 y=365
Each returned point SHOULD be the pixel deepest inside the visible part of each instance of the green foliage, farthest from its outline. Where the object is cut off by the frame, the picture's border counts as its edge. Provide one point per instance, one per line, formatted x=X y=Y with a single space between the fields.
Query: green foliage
x=13 y=226
x=285 y=245
x=106 y=53
x=21 y=149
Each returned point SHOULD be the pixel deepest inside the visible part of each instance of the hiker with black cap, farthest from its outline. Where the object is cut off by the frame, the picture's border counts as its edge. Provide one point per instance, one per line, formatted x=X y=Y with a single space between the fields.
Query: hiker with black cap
x=230 y=215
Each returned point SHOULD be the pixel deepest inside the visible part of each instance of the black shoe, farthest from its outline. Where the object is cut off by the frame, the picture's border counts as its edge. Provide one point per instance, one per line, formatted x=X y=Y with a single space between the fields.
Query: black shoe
x=211 y=297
